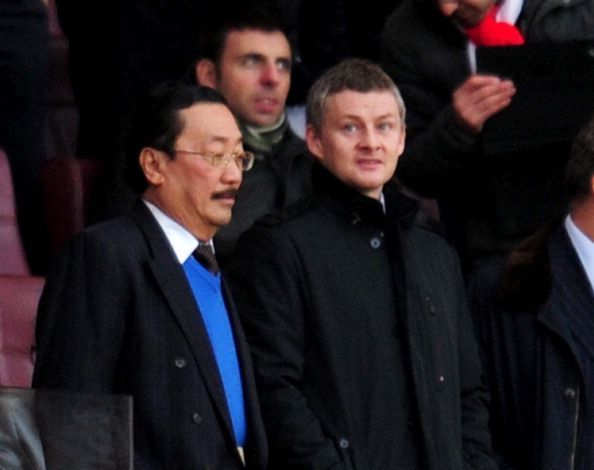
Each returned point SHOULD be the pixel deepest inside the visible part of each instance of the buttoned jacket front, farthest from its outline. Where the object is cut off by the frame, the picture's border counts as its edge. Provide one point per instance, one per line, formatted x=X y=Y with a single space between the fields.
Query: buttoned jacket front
x=307 y=286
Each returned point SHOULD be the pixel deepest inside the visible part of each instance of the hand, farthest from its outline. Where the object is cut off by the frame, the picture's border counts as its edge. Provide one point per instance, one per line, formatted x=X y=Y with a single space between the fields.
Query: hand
x=479 y=98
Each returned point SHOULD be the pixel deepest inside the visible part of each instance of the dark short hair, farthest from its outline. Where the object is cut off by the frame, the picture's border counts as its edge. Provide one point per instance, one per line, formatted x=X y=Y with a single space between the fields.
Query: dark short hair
x=157 y=123
x=241 y=17
x=580 y=167
x=351 y=74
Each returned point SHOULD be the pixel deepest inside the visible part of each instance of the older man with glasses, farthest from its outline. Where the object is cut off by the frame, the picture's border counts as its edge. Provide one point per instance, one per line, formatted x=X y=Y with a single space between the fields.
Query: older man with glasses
x=137 y=306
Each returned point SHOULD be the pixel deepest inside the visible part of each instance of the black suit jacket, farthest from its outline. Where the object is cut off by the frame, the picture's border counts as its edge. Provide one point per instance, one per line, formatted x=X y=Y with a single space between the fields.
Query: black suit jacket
x=532 y=314
x=118 y=316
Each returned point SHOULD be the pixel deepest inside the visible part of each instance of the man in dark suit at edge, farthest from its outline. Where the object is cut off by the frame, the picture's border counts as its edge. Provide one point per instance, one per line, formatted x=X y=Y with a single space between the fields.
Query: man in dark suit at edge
x=128 y=310
x=534 y=317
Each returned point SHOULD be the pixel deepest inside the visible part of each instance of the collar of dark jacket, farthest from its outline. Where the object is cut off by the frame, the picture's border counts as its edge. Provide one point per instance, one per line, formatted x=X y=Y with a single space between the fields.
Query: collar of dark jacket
x=356 y=207
x=527 y=281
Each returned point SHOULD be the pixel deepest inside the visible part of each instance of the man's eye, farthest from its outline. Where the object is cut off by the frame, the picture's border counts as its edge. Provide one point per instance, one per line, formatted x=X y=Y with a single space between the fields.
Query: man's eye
x=349 y=128
x=385 y=126
x=250 y=61
x=284 y=65
x=217 y=158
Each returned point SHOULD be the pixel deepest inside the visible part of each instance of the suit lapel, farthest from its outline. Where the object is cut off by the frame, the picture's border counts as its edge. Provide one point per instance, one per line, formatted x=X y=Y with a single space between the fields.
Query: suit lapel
x=175 y=287
x=572 y=302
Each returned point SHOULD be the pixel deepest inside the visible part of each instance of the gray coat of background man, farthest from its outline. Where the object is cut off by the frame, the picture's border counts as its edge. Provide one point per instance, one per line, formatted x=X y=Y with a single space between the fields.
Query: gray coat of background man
x=128 y=310
x=356 y=318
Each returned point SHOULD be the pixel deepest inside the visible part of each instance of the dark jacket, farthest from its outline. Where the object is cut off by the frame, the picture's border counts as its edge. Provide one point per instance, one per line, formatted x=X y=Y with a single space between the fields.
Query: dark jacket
x=309 y=287
x=525 y=313
x=118 y=316
x=277 y=180
x=489 y=204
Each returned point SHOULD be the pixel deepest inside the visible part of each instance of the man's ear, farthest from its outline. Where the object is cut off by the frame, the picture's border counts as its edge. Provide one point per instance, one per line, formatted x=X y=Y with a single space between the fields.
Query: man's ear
x=153 y=163
x=206 y=73
x=402 y=141
x=313 y=142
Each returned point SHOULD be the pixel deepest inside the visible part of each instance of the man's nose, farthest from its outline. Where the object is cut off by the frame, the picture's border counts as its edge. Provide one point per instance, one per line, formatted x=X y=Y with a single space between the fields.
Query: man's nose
x=370 y=140
x=232 y=173
x=270 y=75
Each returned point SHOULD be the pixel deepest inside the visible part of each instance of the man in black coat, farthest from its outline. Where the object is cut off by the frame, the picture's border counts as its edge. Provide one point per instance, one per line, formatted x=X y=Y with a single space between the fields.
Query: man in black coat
x=356 y=318
x=488 y=203
x=534 y=315
x=128 y=310
x=247 y=57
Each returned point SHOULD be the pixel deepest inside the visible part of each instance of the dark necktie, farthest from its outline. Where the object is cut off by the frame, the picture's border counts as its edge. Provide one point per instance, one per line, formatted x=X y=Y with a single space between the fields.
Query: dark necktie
x=204 y=254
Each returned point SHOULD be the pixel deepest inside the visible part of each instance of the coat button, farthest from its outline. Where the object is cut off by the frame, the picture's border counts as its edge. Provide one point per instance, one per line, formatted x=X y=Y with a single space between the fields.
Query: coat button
x=375 y=242
x=196 y=418
x=430 y=305
x=180 y=362
x=569 y=394
x=441 y=379
x=343 y=443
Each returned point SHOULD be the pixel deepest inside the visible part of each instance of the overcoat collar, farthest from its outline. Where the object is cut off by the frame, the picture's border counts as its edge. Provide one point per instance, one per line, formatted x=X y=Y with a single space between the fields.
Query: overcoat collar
x=352 y=205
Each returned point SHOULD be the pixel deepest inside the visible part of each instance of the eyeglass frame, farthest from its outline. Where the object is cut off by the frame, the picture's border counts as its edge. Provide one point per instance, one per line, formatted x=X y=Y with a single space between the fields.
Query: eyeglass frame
x=246 y=158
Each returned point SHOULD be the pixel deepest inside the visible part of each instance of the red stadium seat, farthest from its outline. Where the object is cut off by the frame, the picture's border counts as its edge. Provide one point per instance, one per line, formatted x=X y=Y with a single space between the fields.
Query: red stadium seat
x=67 y=186
x=12 y=253
x=19 y=297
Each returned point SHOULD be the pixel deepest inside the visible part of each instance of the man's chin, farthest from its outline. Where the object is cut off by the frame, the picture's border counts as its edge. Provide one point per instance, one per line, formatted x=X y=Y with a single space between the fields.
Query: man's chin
x=224 y=219
x=263 y=120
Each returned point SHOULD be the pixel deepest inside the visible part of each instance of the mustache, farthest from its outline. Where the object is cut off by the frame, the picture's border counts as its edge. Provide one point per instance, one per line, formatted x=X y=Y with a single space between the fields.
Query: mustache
x=228 y=193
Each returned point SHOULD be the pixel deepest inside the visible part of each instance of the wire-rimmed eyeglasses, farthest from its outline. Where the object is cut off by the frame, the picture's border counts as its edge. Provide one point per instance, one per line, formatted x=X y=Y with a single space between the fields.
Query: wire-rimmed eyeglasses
x=244 y=161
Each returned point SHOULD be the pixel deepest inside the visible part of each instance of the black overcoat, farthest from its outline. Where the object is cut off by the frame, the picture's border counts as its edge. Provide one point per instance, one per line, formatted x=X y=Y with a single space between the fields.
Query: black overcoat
x=118 y=316
x=488 y=202
x=307 y=288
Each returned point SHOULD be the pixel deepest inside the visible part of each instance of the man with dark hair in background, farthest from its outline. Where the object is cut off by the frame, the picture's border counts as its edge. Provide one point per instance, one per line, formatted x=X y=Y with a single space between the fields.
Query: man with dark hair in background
x=247 y=57
x=137 y=306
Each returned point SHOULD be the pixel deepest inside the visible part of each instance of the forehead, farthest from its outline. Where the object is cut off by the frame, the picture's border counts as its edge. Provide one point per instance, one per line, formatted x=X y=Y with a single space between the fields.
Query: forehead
x=359 y=105
x=250 y=41
x=208 y=122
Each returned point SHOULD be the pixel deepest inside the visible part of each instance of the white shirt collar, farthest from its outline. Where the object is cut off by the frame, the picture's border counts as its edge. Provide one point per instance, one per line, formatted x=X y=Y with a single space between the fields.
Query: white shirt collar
x=182 y=242
x=509 y=11
x=382 y=201
x=583 y=246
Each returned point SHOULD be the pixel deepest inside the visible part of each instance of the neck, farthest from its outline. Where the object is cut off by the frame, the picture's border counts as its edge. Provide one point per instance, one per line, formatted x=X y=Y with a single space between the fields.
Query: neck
x=264 y=138
x=582 y=215
x=199 y=231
